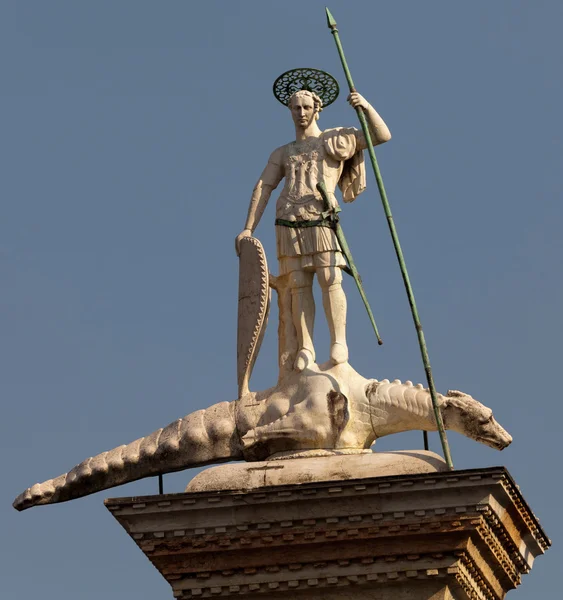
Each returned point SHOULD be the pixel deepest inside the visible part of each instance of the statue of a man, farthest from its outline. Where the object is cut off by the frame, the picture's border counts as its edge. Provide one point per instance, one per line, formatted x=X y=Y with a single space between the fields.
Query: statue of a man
x=306 y=241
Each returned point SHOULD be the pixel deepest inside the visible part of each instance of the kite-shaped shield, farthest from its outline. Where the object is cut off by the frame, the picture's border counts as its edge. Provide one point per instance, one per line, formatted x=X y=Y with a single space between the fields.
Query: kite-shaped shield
x=253 y=308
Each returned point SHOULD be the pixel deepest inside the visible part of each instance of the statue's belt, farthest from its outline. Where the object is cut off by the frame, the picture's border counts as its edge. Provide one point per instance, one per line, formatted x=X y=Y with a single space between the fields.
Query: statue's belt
x=300 y=224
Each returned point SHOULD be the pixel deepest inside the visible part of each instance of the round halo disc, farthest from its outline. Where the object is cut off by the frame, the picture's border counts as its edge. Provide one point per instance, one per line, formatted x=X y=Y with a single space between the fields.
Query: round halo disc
x=313 y=80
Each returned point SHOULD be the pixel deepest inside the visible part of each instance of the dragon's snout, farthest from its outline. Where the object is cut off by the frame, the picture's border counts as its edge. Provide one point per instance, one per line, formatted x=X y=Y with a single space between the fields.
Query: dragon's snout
x=494 y=436
x=466 y=415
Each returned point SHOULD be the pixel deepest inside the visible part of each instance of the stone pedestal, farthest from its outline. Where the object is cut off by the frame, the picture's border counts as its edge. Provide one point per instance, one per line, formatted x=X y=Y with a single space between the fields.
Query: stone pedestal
x=440 y=535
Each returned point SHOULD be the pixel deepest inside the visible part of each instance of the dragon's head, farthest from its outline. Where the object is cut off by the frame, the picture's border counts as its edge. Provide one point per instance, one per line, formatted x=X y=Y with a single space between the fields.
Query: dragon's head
x=464 y=414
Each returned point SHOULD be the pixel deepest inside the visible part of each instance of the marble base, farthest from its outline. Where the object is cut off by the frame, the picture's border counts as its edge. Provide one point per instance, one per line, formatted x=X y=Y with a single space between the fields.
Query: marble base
x=315 y=465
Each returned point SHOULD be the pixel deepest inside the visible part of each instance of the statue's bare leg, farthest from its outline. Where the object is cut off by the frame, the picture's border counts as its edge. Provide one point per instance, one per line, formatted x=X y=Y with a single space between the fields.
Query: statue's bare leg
x=334 y=302
x=303 y=314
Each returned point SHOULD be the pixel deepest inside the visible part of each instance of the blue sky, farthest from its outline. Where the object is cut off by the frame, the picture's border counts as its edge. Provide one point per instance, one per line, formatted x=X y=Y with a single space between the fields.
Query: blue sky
x=132 y=135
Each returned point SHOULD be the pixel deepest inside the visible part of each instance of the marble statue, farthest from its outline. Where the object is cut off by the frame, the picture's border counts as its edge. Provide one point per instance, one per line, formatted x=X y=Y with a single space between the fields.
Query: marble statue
x=306 y=245
x=321 y=410
x=314 y=409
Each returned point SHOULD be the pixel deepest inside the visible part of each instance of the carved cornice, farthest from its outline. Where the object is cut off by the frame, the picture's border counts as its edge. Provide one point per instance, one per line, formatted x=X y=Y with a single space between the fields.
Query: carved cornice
x=235 y=543
x=501 y=547
x=469 y=579
x=463 y=564
x=346 y=573
x=524 y=511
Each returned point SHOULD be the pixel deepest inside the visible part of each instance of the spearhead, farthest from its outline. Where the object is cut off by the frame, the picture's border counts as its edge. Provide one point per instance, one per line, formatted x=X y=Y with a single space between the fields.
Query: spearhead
x=330 y=20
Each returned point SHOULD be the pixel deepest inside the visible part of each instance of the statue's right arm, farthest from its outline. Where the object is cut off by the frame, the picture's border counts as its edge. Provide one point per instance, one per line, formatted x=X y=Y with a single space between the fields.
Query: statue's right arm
x=269 y=180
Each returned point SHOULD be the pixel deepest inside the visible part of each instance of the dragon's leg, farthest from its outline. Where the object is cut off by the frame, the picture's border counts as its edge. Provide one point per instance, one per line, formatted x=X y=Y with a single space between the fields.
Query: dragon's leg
x=314 y=423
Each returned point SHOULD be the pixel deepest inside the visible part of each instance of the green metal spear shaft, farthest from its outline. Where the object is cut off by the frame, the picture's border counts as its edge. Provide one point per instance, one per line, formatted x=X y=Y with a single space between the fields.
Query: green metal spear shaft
x=352 y=269
x=396 y=243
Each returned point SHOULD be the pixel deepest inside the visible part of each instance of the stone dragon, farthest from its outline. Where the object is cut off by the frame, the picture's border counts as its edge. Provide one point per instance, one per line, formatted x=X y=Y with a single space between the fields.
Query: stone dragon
x=325 y=409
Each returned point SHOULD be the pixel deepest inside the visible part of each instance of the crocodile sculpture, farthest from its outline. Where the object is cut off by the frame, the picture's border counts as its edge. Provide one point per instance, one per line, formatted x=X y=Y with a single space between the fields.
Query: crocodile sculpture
x=326 y=409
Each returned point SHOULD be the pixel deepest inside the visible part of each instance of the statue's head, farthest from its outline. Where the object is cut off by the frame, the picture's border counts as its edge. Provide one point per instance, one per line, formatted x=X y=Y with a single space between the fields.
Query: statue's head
x=305 y=107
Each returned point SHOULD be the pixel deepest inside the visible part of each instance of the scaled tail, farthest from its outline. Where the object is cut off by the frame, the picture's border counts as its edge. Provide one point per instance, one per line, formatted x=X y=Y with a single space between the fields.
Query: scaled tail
x=197 y=439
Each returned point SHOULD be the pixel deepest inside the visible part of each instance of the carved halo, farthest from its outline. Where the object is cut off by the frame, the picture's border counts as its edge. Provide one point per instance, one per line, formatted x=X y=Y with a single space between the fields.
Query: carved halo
x=312 y=80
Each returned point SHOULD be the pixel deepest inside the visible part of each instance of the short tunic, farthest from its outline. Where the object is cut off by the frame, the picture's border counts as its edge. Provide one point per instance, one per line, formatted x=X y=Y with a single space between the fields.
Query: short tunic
x=304 y=164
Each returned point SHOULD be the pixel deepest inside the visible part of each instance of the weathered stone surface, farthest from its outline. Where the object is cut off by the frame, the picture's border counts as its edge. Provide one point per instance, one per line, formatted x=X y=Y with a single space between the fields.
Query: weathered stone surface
x=253 y=308
x=304 y=248
x=325 y=407
x=251 y=476
x=448 y=535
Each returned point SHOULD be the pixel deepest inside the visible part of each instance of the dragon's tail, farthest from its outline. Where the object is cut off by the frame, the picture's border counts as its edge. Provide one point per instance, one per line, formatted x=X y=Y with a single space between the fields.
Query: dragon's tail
x=197 y=439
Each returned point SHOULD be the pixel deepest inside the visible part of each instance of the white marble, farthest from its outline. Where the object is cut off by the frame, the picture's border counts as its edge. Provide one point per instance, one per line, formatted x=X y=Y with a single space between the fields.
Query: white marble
x=335 y=466
x=325 y=407
x=335 y=157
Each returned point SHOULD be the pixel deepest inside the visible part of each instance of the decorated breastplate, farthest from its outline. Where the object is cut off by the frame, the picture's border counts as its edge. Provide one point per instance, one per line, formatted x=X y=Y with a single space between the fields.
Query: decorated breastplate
x=303 y=169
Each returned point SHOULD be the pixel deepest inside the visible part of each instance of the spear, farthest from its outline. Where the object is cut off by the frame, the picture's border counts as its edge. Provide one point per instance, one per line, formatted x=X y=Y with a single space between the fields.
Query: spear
x=398 y=250
x=352 y=270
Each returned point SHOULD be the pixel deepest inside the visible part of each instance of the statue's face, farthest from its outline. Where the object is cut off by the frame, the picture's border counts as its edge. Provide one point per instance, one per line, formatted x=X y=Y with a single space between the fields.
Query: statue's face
x=302 y=110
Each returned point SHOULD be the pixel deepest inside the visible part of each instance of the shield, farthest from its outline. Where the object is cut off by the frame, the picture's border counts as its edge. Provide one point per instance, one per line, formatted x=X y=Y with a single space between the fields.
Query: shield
x=253 y=308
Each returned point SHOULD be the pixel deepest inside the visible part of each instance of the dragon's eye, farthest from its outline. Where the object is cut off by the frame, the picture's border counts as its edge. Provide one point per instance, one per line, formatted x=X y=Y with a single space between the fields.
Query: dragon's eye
x=486 y=419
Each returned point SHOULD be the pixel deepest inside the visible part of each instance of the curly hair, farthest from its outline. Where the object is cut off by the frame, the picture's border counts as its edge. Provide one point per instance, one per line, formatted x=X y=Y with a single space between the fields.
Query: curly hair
x=318 y=103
